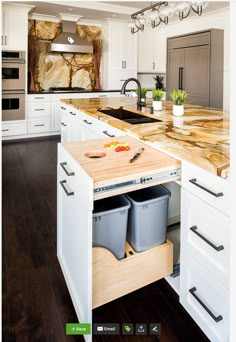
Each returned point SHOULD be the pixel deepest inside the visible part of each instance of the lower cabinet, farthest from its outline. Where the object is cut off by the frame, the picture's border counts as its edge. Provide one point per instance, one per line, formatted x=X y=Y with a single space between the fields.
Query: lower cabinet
x=39 y=125
x=205 y=299
x=204 y=258
x=14 y=128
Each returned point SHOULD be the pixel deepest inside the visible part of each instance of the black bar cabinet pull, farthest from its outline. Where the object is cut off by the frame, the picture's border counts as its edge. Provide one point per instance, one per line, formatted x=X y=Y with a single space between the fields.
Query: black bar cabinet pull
x=216 y=194
x=63 y=124
x=63 y=165
x=41 y=125
x=217 y=248
x=216 y=319
x=181 y=78
x=72 y=113
x=5 y=130
x=87 y=122
x=63 y=108
x=109 y=135
x=65 y=189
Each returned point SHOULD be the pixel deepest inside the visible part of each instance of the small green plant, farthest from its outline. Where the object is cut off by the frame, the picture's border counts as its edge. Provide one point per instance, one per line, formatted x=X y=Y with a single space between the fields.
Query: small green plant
x=158 y=78
x=157 y=94
x=143 y=92
x=178 y=96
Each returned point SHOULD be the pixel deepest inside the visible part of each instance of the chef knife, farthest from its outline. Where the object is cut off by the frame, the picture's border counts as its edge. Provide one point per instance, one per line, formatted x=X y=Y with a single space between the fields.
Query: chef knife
x=137 y=155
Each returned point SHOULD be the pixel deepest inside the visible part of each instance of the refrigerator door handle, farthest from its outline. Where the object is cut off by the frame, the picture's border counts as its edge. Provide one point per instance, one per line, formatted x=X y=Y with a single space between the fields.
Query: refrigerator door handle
x=181 y=78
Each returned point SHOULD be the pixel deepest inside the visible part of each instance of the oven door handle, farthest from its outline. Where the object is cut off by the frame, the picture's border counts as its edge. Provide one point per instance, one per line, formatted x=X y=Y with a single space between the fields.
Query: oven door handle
x=8 y=92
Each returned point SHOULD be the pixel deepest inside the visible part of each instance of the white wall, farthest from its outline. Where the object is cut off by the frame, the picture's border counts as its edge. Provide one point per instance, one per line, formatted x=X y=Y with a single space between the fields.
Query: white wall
x=218 y=19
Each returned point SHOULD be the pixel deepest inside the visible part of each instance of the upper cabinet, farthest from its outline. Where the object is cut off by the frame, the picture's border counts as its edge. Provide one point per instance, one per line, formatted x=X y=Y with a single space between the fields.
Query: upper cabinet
x=152 y=50
x=119 y=57
x=15 y=26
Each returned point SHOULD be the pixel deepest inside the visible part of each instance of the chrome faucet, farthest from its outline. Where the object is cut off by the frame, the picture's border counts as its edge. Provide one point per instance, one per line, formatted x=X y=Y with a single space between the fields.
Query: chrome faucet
x=139 y=103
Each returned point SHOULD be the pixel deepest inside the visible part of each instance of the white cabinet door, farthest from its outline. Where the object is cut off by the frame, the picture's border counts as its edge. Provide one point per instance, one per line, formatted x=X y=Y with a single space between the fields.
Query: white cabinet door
x=152 y=50
x=205 y=299
x=65 y=126
x=55 y=116
x=74 y=238
x=116 y=45
x=15 y=26
x=119 y=54
x=145 y=48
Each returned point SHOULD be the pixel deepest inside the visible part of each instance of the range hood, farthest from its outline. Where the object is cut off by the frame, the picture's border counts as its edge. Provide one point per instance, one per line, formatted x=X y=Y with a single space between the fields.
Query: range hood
x=69 y=41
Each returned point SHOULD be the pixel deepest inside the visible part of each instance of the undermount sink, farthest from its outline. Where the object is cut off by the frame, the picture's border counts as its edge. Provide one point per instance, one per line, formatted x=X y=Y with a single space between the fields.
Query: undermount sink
x=127 y=116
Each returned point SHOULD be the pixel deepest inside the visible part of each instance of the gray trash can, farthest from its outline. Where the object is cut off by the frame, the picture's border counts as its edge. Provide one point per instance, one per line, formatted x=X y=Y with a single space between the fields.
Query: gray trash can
x=147 y=220
x=110 y=216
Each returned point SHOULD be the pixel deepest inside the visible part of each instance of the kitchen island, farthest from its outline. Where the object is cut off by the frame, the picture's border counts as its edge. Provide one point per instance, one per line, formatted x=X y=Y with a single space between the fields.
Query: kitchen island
x=200 y=141
x=201 y=136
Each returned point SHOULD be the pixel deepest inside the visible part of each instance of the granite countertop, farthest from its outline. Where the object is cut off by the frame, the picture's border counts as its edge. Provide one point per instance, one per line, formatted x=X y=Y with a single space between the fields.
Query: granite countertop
x=201 y=136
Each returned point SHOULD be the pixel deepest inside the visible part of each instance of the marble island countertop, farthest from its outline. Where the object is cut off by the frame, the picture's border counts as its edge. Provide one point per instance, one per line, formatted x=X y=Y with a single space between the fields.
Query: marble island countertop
x=201 y=136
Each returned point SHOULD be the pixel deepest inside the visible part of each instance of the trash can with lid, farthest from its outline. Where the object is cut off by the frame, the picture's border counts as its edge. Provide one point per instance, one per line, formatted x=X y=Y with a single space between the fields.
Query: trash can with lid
x=147 y=220
x=110 y=216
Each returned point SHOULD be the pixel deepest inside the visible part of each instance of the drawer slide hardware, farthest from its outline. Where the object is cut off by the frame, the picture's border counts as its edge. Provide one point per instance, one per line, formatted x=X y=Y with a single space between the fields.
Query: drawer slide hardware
x=142 y=180
x=63 y=165
x=216 y=194
x=217 y=248
x=216 y=319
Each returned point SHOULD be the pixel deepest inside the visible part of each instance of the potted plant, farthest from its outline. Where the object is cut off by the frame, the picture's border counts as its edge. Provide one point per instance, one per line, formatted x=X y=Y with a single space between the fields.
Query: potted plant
x=159 y=79
x=157 y=95
x=179 y=97
x=143 y=95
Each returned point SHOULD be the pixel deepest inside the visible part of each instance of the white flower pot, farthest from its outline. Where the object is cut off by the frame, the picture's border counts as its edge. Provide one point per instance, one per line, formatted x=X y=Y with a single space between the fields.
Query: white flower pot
x=178 y=110
x=157 y=105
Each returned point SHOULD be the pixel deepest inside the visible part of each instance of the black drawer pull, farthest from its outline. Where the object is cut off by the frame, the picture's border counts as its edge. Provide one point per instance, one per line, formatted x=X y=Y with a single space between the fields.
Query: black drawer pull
x=39 y=109
x=216 y=319
x=109 y=135
x=102 y=95
x=72 y=113
x=194 y=181
x=87 y=122
x=39 y=125
x=63 y=124
x=63 y=165
x=63 y=108
x=5 y=130
x=217 y=248
x=39 y=98
x=71 y=193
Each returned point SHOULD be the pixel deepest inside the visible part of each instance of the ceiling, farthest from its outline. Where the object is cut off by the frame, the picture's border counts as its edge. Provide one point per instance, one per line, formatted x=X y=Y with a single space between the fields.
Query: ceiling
x=99 y=10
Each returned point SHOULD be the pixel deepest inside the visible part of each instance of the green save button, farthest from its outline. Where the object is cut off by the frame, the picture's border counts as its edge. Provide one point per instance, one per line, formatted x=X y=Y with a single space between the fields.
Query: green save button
x=77 y=329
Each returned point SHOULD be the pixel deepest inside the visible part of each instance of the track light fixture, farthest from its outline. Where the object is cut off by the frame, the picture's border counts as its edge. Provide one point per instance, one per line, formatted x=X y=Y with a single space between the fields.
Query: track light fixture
x=160 y=12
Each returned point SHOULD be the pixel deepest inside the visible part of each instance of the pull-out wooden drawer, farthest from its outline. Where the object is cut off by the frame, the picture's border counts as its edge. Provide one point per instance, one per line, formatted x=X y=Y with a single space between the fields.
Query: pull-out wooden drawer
x=206 y=235
x=207 y=186
x=205 y=299
x=114 y=278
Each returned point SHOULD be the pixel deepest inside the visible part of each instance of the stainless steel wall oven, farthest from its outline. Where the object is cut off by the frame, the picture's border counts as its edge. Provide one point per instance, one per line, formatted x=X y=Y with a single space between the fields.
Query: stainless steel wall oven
x=13 y=85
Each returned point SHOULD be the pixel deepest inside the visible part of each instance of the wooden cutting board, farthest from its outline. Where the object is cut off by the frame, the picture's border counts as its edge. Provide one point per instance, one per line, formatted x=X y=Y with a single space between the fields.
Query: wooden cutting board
x=114 y=167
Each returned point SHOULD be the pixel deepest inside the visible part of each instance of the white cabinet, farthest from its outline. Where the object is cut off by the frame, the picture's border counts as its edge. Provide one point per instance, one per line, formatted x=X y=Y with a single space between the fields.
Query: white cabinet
x=152 y=50
x=78 y=126
x=14 y=128
x=74 y=240
x=205 y=242
x=39 y=109
x=15 y=26
x=119 y=58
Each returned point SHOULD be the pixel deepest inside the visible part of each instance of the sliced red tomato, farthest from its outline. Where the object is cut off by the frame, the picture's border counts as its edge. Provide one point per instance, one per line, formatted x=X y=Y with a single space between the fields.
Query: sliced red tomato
x=127 y=148
x=118 y=149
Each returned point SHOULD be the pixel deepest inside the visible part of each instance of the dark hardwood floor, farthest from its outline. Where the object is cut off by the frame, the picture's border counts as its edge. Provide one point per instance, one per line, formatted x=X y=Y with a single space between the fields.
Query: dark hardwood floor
x=35 y=301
